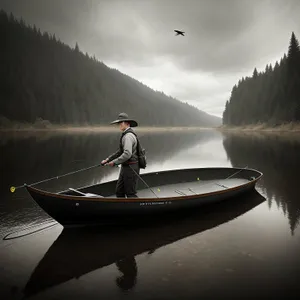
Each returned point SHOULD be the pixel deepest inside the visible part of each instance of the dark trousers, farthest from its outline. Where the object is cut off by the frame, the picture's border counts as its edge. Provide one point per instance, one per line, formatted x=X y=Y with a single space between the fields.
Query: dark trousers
x=127 y=182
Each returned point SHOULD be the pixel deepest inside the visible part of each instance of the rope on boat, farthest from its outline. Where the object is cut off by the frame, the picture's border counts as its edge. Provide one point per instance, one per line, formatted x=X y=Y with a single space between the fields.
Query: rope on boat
x=180 y=192
x=237 y=172
x=225 y=178
x=222 y=185
x=192 y=191
x=6 y=237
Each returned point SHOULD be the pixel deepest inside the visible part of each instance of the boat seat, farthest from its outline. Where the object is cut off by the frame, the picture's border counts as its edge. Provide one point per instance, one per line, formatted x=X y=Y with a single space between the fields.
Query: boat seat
x=85 y=194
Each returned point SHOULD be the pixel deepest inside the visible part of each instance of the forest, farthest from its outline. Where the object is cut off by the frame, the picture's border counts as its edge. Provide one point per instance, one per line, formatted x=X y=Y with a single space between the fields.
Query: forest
x=44 y=79
x=271 y=97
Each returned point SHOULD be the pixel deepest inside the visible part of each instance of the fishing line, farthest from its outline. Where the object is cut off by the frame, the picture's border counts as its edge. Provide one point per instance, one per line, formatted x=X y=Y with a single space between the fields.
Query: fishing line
x=13 y=188
x=6 y=237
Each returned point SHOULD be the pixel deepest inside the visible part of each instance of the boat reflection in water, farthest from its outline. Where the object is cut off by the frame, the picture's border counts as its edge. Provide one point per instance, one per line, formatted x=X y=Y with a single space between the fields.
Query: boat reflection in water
x=79 y=251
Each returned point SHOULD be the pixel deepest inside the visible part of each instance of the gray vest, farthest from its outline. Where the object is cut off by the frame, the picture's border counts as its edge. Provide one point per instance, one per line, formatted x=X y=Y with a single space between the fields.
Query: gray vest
x=134 y=157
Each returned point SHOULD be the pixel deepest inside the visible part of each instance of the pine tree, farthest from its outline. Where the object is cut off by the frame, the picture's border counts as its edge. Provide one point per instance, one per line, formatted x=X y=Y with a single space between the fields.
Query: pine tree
x=293 y=78
x=293 y=50
x=293 y=57
x=271 y=96
x=226 y=119
x=255 y=74
x=76 y=48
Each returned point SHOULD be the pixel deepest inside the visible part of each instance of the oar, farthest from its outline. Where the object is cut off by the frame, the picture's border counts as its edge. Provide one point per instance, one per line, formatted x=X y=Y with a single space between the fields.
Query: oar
x=13 y=188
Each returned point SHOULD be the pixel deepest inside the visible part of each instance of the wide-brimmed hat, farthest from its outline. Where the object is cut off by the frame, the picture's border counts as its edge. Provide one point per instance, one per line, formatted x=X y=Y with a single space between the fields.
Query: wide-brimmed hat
x=123 y=117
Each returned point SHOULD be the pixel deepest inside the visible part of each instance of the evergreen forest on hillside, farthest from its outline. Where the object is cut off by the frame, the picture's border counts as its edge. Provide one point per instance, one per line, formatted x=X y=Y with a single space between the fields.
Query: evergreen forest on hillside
x=41 y=77
x=271 y=97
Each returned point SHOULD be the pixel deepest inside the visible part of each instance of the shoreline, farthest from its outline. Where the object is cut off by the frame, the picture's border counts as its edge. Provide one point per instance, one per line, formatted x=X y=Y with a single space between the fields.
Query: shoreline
x=289 y=127
x=100 y=129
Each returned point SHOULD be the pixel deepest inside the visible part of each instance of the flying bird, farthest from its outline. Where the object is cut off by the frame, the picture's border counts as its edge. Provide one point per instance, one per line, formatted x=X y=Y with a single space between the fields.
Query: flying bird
x=178 y=32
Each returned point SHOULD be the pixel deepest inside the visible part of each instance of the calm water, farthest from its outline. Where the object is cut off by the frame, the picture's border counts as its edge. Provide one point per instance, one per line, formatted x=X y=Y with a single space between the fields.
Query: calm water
x=244 y=249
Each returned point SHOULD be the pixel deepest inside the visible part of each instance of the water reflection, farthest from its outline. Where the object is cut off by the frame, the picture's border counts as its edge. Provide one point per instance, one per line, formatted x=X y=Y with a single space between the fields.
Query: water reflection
x=278 y=158
x=77 y=251
x=129 y=269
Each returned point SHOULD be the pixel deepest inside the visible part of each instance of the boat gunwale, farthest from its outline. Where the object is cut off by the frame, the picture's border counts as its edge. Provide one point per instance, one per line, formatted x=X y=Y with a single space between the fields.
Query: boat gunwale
x=137 y=200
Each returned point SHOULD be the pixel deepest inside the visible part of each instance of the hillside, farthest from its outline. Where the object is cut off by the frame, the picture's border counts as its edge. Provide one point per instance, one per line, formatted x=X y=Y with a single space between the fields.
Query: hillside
x=41 y=77
x=271 y=97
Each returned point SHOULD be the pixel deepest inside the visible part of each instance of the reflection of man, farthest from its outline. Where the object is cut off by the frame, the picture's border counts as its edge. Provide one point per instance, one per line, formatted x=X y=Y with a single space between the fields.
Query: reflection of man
x=129 y=269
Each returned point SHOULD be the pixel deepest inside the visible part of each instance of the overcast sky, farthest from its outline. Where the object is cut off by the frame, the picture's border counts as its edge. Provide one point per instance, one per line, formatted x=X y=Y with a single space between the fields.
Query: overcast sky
x=225 y=39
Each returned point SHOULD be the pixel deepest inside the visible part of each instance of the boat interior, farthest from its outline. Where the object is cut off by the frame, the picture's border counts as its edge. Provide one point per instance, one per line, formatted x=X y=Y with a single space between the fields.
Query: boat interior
x=175 y=183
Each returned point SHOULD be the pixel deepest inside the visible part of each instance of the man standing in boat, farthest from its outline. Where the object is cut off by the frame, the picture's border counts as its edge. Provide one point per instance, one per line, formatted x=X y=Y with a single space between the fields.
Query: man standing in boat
x=126 y=156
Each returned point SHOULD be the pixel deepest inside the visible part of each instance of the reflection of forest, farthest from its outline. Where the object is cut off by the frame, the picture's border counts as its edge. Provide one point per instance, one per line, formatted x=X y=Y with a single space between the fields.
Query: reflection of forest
x=35 y=158
x=278 y=157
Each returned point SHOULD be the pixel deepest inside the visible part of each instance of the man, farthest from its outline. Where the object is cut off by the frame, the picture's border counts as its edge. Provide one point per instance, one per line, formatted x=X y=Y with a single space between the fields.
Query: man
x=126 y=156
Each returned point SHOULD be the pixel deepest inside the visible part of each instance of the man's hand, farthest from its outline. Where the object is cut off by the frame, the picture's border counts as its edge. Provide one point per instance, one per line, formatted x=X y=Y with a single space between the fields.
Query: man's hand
x=103 y=162
x=110 y=164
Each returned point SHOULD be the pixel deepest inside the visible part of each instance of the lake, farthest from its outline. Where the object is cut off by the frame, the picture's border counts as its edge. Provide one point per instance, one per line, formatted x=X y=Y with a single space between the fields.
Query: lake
x=242 y=249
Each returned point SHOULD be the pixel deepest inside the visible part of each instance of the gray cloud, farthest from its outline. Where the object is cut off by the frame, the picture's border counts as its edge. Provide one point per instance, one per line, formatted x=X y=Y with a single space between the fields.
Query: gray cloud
x=221 y=36
x=225 y=39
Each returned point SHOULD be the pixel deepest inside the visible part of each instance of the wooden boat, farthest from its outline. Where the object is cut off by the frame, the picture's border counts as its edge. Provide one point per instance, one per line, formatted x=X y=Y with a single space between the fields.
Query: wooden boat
x=78 y=251
x=163 y=192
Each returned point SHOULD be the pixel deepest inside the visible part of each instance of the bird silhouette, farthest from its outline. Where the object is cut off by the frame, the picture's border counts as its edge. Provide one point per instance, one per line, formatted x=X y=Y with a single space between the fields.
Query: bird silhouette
x=179 y=32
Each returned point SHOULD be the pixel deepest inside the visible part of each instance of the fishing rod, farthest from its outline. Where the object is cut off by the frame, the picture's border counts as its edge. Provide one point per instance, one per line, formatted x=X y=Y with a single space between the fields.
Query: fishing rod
x=143 y=181
x=13 y=188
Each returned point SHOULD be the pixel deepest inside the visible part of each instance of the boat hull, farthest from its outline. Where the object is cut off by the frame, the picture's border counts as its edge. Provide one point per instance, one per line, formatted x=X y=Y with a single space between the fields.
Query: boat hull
x=70 y=210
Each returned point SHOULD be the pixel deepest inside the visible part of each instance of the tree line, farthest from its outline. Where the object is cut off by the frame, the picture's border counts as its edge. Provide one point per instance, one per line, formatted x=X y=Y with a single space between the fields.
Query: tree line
x=271 y=96
x=41 y=77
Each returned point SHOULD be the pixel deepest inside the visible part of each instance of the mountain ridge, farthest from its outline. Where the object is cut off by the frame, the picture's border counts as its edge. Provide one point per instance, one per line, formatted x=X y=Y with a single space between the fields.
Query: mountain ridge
x=44 y=78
